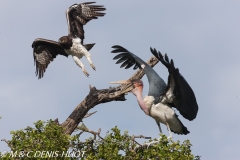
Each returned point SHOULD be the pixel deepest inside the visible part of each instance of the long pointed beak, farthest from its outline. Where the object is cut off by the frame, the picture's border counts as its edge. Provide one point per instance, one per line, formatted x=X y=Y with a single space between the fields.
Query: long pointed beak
x=126 y=89
x=121 y=82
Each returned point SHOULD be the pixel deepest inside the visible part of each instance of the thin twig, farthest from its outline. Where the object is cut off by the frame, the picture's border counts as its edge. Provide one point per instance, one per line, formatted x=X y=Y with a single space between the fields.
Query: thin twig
x=4 y=140
x=89 y=114
x=138 y=144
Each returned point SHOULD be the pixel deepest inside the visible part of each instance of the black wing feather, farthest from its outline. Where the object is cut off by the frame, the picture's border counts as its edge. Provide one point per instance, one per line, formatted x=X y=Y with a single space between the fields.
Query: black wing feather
x=156 y=84
x=125 y=63
x=184 y=97
x=136 y=66
x=130 y=64
x=44 y=51
x=122 y=59
x=79 y=15
x=125 y=56
x=118 y=56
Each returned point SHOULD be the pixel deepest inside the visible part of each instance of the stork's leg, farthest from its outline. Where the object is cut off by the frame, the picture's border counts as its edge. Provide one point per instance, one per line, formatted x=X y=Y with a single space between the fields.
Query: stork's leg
x=157 y=141
x=168 y=127
x=80 y=64
x=159 y=127
x=169 y=130
x=88 y=56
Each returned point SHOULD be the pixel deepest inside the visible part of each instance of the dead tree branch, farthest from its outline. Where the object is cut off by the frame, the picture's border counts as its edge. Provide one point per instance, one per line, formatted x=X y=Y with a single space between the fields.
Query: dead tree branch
x=89 y=114
x=140 y=136
x=96 y=97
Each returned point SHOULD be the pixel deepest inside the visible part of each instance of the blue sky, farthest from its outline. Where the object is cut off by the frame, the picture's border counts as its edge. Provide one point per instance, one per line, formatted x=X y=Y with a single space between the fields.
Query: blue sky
x=202 y=37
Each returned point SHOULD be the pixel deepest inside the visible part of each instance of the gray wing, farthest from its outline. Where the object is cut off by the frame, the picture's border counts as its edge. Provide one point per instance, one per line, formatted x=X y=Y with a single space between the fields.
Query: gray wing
x=156 y=84
x=44 y=51
x=178 y=92
x=79 y=14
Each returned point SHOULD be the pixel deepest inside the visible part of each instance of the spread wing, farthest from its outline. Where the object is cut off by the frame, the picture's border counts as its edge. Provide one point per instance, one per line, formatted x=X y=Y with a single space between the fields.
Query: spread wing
x=156 y=84
x=44 y=51
x=127 y=58
x=79 y=14
x=178 y=90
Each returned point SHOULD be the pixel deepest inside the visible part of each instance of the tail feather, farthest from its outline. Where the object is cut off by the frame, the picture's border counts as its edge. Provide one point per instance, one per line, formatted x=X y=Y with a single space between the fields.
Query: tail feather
x=89 y=46
x=184 y=129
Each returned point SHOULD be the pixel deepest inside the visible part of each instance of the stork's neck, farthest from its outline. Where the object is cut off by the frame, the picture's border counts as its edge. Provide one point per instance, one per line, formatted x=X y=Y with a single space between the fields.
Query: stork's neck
x=138 y=93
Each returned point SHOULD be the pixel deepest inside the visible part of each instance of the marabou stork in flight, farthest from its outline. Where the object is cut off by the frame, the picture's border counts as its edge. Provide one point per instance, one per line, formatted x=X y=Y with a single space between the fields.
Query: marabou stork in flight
x=161 y=97
x=44 y=51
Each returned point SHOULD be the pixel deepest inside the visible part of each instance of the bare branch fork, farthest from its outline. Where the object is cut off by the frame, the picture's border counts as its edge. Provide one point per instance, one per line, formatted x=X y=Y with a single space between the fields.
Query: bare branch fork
x=140 y=136
x=96 y=97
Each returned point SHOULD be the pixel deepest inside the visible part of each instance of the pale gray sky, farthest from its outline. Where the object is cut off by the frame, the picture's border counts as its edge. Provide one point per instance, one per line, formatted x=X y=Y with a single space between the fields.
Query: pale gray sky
x=202 y=37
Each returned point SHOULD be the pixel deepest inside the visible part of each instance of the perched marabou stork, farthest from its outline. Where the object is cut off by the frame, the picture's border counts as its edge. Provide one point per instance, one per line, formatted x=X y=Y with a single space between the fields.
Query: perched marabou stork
x=161 y=97
x=44 y=51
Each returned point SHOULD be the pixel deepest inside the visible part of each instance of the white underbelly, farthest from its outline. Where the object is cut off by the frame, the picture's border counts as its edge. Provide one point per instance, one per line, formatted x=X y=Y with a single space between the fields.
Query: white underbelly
x=75 y=52
x=77 y=49
x=162 y=113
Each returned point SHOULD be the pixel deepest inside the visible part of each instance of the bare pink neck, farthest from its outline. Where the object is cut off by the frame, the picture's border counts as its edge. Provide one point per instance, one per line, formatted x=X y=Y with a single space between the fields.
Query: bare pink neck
x=138 y=94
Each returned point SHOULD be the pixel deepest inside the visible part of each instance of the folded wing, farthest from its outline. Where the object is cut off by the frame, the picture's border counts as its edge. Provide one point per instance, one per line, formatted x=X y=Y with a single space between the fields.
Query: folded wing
x=44 y=51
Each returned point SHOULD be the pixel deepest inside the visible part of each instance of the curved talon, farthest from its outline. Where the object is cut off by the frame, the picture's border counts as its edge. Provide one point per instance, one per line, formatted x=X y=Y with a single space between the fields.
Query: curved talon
x=86 y=73
x=93 y=67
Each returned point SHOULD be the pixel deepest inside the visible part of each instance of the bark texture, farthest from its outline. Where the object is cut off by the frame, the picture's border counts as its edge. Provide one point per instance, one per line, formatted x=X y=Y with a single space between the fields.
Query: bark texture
x=96 y=97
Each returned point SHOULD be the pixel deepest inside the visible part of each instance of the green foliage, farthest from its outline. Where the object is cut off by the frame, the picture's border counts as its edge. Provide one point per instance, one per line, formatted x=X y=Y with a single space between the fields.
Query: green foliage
x=124 y=147
x=31 y=141
x=49 y=137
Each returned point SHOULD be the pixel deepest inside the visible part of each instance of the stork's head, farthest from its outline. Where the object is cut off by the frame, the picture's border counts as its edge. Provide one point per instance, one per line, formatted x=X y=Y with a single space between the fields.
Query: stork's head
x=66 y=42
x=138 y=86
x=137 y=83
